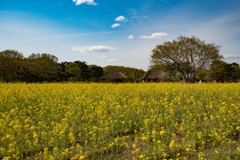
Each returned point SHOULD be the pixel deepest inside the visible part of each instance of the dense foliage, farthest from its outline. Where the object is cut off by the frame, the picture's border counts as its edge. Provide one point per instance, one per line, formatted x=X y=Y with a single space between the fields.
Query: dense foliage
x=119 y=121
x=14 y=67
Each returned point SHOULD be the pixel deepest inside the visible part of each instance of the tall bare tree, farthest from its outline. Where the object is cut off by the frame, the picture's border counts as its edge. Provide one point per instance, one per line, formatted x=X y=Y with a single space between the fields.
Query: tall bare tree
x=187 y=55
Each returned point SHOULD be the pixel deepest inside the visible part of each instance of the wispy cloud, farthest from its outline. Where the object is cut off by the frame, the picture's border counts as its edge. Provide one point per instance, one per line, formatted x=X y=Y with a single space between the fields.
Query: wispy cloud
x=231 y=56
x=60 y=36
x=98 y=48
x=131 y=37
x=120 y=18
x=169 y=5
x=158 y=35
x=113 y=60
x=115 y=25
x=89 y=2
x=134 y=14
x=173 y=8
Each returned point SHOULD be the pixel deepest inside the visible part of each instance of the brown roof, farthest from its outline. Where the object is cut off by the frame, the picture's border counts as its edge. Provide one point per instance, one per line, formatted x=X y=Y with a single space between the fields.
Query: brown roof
x=113 y=75
x=152 y=75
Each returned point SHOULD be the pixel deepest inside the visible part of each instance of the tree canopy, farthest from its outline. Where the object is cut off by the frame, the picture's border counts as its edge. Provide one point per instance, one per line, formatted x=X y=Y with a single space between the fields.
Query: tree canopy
x=224 y=72
x=186 y=55
x=10 y=65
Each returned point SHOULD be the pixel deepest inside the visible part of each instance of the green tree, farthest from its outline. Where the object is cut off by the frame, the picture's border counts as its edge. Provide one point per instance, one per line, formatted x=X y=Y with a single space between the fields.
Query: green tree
x=224 y=72
x=84 y=71
x=62 y=74
x=187 y=55
x=10 y=65
x=40 y=67
x=217 y=70
x=236 y=73
x=231 y=72
x=95 y=72
x=73 y=72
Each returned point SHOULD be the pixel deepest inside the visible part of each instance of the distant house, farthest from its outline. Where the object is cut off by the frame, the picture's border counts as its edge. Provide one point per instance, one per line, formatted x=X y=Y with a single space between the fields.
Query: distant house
x=153 y=76
x=114 y=76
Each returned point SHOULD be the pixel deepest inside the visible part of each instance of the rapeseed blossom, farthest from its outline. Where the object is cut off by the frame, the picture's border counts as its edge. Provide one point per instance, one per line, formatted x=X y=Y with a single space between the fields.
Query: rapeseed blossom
x=107 y=121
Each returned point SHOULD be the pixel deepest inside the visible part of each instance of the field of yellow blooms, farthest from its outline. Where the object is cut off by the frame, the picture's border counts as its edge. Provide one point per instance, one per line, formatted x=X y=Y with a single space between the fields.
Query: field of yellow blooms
x=119 y=121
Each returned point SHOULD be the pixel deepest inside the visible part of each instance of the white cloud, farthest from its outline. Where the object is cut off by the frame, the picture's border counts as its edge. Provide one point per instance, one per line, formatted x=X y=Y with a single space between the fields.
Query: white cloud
x=115 y=25
x=158 y=35
x=113 y=60
x=231 y=56
x=131 y=37
x=89 y=2
x=120 y=18
x=98 y=48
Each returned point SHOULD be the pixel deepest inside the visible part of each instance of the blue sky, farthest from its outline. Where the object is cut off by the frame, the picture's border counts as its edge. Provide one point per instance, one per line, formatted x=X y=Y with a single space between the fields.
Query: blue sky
x=111 y=32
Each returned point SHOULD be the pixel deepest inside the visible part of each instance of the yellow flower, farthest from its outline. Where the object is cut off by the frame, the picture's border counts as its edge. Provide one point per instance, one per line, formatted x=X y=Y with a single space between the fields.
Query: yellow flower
x=238 y=149
x=188 y=149
x=162 y=133
x=172 y=144
x=201 y=155
x=45 y=152
x=238 y=128
x=173 y=135
x=137 y=150
x=134 y=146
x=2 y=151
x=141 y=156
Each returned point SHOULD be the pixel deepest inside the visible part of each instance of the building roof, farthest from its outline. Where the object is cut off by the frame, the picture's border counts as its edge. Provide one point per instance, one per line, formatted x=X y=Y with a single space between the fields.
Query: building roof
x=152 y=74
x=113 y=75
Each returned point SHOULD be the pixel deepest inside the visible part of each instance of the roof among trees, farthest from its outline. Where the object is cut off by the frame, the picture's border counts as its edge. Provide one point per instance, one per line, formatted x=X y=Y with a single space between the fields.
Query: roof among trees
x=113 y=75
x=152 y=75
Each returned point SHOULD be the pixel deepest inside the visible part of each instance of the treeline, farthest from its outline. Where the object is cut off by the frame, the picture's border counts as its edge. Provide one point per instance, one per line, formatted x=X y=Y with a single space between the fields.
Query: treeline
x=218 y=71
x=221 y=71
x=14 y=67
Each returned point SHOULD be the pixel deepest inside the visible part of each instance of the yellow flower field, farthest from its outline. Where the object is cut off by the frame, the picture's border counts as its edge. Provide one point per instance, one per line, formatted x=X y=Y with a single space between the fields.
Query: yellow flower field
x=119 y=121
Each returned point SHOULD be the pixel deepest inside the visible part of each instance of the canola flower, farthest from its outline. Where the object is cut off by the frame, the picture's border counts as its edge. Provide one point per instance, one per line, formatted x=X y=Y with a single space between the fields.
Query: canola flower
x=119 y=121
